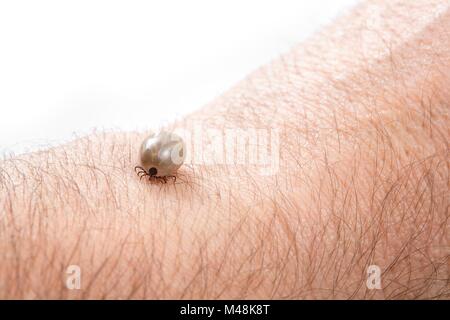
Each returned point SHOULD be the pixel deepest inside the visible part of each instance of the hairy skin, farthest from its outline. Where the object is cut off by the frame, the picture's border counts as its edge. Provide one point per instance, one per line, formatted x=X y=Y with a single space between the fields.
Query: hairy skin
x=362 y=114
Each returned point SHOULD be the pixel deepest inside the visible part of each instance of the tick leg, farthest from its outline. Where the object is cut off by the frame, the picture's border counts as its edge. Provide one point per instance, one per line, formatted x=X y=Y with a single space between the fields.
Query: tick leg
x=139 y=170
x=161 y=179
x=143 y=175
x=142 y=172
x=138 y=167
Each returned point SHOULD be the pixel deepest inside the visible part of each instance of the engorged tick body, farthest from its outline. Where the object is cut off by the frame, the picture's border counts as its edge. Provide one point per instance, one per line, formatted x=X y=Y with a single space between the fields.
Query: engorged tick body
x=161 y=155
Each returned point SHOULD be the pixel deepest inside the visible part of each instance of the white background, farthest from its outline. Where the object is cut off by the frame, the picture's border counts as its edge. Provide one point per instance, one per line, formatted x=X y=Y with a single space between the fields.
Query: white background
x=70 y=66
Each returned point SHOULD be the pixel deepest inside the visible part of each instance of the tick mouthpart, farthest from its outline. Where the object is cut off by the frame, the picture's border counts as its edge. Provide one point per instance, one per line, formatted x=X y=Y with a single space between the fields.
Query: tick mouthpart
x=152 y=171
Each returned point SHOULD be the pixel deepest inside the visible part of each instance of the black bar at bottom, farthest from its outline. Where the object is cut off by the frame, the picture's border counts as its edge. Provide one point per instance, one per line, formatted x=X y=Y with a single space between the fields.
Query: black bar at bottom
x=226 y=309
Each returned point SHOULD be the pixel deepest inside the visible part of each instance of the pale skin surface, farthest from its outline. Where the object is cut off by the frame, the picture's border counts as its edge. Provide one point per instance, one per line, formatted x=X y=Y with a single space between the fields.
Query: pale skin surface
x=363 y=179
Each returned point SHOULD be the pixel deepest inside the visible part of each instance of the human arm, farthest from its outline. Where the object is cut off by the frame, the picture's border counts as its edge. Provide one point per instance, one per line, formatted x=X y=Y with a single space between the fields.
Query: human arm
x=361 y=113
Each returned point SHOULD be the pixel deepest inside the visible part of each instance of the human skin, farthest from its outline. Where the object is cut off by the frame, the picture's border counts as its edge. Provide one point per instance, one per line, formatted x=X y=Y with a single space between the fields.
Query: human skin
x=361 y=112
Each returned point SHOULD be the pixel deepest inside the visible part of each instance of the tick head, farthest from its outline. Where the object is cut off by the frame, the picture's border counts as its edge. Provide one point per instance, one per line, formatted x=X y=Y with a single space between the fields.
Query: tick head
x=152 y=171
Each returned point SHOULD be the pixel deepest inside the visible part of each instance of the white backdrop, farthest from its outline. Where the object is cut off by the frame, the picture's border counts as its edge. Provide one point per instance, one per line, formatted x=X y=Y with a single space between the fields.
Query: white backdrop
x=71 y=66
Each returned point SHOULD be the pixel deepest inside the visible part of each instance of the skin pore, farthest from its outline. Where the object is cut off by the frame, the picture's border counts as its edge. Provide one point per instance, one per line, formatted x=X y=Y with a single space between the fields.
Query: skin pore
x=361 y=116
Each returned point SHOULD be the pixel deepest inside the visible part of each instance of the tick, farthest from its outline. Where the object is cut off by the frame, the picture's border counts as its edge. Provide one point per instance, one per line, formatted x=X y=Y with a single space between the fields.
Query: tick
x=161 y=155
